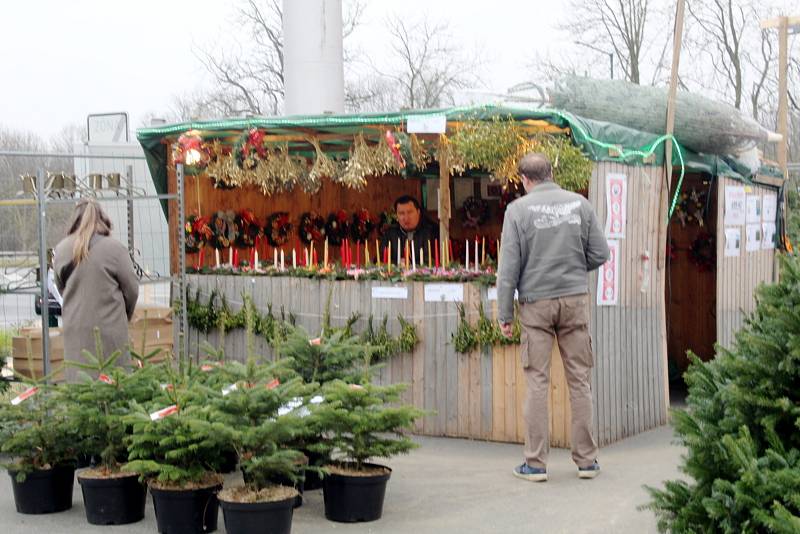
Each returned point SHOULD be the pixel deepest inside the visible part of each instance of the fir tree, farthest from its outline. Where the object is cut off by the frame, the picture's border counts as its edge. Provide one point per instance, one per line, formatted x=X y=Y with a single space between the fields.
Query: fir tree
x=742 y=427
x=336 y=356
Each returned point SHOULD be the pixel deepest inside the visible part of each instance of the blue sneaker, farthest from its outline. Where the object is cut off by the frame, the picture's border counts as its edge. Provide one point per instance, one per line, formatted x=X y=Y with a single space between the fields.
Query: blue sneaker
x=589 y=472
x=531 y=474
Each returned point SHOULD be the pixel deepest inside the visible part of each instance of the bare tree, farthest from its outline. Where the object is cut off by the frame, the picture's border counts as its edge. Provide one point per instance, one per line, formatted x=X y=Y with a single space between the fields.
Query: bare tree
x=248 y=78
x=426 y=68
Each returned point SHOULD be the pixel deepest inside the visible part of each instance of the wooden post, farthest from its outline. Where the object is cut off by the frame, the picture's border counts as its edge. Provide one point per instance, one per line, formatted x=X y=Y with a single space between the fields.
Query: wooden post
x=444 y=201
x=666 y=190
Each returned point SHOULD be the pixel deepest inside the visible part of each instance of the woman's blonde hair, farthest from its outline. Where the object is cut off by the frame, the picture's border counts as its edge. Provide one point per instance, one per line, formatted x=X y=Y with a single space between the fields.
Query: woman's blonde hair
x=88 y=219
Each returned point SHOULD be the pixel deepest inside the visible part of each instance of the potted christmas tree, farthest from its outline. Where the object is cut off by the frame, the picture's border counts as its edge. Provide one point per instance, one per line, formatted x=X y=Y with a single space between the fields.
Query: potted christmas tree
x=265 y=414
x=177 y=447
x=360 y=425
x=334 y=355
x=38 y=435
x=98 y=405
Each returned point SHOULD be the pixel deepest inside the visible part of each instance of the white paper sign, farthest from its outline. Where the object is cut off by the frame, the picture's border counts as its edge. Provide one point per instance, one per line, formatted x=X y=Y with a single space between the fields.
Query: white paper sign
x=608 y=278
x=491 y=294
x=388 y=292
x=753 y=237
x=734 y=205
x=770 y=208
x=753 y=209
x=426 y=124
x=768 y=230
x=616 y=203
x=444 y=293
x=733 y=242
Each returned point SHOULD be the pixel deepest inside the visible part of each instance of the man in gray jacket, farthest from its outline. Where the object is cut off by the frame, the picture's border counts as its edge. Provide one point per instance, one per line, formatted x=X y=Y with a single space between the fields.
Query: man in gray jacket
x=551 y=241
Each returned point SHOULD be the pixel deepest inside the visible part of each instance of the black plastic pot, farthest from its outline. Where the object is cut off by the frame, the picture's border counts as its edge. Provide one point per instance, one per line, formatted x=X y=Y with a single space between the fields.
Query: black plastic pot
x=313 y=481
x=351 y=499
x=258 y=517
x=44 y=491
x=113 y=501
x=186 y=511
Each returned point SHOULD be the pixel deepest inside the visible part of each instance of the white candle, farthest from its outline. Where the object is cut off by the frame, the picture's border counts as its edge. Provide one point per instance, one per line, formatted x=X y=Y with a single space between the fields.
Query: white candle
x=255 y=261
x=466 y=258
x=294 y=259
x=230 y=256
x=216 y=255
x=421 y=258
x=275 y=258
x=305 y=252
x=325 y=264
x=398 y=251
x=283 y=265
x=413 y=257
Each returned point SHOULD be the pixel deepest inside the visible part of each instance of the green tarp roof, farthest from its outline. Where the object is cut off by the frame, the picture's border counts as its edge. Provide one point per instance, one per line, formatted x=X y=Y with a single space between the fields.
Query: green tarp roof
x=594 y=137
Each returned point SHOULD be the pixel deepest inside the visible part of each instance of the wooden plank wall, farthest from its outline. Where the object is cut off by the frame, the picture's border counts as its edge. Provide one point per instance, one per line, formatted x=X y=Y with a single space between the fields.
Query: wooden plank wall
x=628 y=374
x=738 y=277
x=476 y=395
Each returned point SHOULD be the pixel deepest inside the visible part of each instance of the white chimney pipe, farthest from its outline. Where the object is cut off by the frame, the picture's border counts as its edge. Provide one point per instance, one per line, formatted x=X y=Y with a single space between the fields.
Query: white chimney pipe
x=313 y=69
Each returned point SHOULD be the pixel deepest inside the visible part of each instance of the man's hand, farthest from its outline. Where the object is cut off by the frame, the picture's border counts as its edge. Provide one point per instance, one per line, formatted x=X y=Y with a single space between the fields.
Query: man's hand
x=507 y=329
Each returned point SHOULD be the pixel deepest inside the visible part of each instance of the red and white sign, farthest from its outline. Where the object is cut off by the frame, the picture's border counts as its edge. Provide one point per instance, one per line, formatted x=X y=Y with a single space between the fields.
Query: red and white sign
x=106 y=379
x=161 y=414
x=30 y=392
x=206 y=368
x=616 y=204
x=315 y=341
x=272 y=384
x=608 y=277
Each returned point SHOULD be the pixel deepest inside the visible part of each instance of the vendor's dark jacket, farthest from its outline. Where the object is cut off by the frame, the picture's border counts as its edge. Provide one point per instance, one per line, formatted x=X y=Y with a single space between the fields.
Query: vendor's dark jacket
x=426 y=231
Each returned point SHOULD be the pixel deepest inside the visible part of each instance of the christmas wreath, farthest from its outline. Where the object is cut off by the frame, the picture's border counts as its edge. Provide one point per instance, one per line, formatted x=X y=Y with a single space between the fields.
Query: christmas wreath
x=362 y=225
x=250 y=148
x=386 y=220
x=337 y=227
x=703 y=252
x=278 y=229
x=223 y=228
x=191 y=151
x=197 y=232
x=249 y=229
x=476 y=212
x=692 y=207
x=311 y=228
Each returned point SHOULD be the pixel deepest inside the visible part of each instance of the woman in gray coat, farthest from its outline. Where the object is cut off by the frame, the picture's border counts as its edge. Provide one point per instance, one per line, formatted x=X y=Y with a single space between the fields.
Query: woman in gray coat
x=95 y=276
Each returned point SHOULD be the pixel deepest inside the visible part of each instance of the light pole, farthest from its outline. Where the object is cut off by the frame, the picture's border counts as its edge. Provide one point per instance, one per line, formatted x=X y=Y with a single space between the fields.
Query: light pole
x=609 y=54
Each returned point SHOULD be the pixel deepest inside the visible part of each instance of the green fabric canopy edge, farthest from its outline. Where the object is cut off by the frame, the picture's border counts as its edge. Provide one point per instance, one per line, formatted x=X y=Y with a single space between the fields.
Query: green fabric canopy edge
x=626 y=138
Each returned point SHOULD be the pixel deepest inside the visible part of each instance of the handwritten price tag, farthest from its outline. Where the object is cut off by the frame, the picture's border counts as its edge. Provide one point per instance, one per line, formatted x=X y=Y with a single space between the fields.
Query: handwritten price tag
x=30 y=392
x=161 y=414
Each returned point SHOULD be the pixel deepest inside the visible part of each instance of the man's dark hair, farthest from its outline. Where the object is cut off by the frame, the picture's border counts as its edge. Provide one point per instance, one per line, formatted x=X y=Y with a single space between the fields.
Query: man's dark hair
x=405 y=199
x=535 y=167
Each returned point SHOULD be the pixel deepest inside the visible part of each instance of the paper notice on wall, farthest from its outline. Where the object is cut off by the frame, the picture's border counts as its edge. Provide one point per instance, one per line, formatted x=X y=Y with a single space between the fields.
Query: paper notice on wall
x=770 y=208
x=734 y=205
x=733 y=242
x=444 y=293
x=608 y=277
x=753 y=209
x=768 y=230
x=387 y=292
x=753 y=242
x=616 y=202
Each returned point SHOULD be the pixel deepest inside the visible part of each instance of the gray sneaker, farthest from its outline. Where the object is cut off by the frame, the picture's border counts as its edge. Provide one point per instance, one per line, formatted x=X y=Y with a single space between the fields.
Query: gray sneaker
x=589 y=472
x=531 y=474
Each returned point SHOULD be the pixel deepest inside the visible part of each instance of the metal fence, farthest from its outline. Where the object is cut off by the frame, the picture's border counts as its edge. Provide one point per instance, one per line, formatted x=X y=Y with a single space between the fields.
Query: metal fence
x=38 y=192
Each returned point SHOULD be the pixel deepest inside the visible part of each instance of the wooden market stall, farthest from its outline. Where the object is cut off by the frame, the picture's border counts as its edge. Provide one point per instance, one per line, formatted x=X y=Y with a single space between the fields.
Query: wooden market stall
x=478 y=393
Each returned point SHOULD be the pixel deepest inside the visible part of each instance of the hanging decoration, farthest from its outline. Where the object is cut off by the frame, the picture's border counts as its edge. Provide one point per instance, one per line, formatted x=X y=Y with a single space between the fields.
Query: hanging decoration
x=394 y=148
x=222 y=167
x=248 y=227
x=475 y=211
x=324 y=166
x=197 y=232
x=357 y=167
x=224 y=230
x=703 y=252
x=311 y=228
x=362 y=225
x=190 y=150
x=691 y=207
x=278 y=229
x=337 y=227
x=279 y=172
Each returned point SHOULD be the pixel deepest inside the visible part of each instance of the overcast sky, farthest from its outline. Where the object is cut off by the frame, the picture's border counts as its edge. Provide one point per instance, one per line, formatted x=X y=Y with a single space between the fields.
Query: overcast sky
x=62 y=60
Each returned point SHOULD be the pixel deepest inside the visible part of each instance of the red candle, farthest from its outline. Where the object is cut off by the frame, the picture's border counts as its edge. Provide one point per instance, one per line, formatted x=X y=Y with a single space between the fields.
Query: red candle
x=349 y=252
x=436 y=253
x=358 y=254
x=449 y=250
x=200 y=259
x=313 y=255
x=235 y=257
x=386 y=256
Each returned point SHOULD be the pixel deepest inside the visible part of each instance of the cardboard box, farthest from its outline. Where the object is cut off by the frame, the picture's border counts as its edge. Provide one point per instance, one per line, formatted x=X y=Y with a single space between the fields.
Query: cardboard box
x=33 y=368
x=151 y=325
